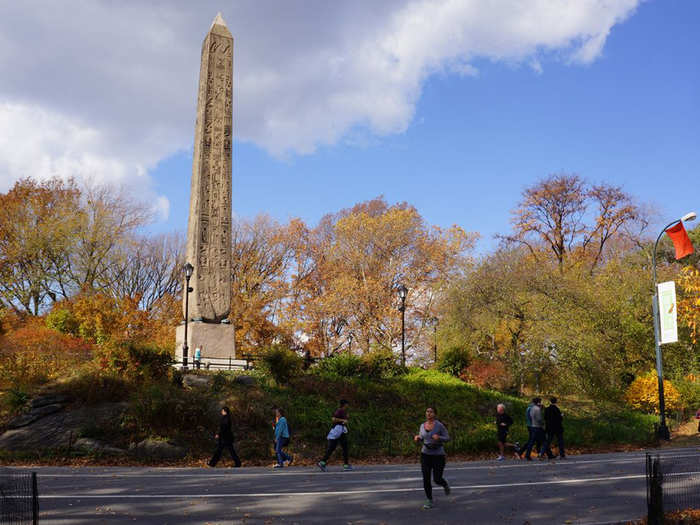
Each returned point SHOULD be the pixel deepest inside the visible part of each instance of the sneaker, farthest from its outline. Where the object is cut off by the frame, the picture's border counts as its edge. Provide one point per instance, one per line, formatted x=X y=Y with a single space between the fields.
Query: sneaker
x=322 y=465
x=277 y=465
x=347 y=467
x=499 y=458
x=516 y=447
x=447 y=488
x=428 y=504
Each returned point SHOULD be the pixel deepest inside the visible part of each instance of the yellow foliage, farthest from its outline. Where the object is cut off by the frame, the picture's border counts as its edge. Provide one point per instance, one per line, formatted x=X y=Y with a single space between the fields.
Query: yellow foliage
x=689 y=304
x=643 y=394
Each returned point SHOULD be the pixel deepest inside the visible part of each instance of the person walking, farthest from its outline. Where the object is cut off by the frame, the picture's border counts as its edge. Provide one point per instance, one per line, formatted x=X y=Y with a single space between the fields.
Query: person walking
x=503 y=423
x=535 y=428
x=530 y=428
x=554 y=427
x=281 y=438
x=433 y=435
x=224 y=439
x=337 y=435
x=540 y=435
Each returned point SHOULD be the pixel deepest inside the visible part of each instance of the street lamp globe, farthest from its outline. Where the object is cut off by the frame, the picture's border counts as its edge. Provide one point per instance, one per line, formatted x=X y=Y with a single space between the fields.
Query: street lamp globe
x=188 y=270
x=402 y=292
x=689 y=217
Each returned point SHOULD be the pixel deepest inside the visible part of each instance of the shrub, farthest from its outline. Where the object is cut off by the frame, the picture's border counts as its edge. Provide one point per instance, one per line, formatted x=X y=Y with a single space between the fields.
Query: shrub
x=16 y=400
x=281 y=363
x=643 y=394
x=486 y=374
x=342 y=365
x=159 y=408
x=137 y=361
x=34 y=353
x=94 y=386
x=380 y=363
x=63 y=320
x=689 y=390
x=454 y=360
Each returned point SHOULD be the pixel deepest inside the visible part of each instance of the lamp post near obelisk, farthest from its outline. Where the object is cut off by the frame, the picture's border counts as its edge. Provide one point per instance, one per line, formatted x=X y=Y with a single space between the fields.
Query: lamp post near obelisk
x=209 y=225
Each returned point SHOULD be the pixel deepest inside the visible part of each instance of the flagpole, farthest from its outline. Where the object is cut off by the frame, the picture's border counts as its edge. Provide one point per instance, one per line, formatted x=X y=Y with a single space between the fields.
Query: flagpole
x=663 y=432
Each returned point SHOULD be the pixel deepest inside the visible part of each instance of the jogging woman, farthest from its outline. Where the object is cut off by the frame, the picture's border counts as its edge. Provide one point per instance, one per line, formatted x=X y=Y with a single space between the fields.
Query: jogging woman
x=432 y=434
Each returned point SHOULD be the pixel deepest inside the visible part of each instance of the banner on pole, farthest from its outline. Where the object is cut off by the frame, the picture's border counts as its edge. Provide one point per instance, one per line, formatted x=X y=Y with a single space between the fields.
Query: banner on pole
x=667 y=312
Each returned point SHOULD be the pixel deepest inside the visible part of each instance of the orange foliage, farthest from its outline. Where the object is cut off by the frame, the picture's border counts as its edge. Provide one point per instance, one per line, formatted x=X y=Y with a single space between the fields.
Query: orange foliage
x=486 y=374
x=101 y=319
x=34 y=353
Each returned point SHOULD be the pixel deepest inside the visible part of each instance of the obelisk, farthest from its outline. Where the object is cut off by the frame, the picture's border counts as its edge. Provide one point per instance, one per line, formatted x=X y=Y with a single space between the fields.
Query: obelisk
x=209 y=226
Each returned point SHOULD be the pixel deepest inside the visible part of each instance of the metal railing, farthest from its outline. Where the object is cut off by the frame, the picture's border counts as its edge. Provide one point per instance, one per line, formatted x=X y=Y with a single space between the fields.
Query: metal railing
x=19 y=498
x=673 y=484
x=220 y=363
x=247 y=362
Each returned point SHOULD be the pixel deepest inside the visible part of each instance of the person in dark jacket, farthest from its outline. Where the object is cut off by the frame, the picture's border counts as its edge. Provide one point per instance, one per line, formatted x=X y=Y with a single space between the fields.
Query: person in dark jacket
x=503 y=423
x=224 y=439
x=553 y=421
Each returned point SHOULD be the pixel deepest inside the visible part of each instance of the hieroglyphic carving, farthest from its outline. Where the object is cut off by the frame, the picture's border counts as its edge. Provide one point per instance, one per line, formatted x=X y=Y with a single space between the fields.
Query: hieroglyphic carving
x=209 y=227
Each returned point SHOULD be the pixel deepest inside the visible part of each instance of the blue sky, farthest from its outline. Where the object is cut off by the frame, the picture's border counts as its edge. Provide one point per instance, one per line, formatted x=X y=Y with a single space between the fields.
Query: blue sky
x=630 y=118
x=454 y=107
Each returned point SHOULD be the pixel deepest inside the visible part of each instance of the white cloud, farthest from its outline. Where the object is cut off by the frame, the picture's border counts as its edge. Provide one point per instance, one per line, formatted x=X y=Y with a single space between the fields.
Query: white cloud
x=113 y=84
x=42 y=144
x=162 y=208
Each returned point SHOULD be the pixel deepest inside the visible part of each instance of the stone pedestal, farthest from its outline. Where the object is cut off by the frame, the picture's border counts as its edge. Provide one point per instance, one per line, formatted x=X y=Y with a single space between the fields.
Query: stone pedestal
x=215 y=340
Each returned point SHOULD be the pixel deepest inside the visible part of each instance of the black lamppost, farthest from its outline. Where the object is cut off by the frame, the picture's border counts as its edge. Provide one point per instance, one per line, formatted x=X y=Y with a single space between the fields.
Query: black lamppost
x=188 y=274
x=402 y=295
x=663 y=428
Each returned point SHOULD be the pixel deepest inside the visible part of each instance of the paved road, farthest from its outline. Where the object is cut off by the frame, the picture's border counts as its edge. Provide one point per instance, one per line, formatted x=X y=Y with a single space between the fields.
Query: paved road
x=590 y=489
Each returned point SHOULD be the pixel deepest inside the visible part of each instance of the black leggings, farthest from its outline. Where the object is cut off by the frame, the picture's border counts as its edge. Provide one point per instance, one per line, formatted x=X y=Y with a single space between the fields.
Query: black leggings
x=332 y=443
x=437 y=465
x=219 y=449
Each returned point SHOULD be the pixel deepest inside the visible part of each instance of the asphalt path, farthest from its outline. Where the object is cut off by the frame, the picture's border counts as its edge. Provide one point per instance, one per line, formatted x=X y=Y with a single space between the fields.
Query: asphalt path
x=586 y=489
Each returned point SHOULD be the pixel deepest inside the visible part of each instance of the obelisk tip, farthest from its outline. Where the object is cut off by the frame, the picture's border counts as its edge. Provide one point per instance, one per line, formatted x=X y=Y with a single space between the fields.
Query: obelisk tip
x=218 y=20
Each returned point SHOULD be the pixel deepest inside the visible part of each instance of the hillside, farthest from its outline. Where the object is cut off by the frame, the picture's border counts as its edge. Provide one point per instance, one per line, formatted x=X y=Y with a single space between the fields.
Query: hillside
x=384 y=415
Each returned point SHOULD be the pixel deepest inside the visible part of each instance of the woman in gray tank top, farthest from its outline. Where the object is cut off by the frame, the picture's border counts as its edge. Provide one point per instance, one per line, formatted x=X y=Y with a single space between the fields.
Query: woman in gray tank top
x=432 y=434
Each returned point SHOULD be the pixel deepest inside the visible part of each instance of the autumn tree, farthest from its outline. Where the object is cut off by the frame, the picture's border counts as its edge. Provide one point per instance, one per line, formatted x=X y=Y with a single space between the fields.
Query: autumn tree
x=492 y=312
x=262 y=256
x=569 y=331
x=57 y=239
x=147 y=269
x=38 y=226
x=353 y=263
x=107 y=220
x=569 y=216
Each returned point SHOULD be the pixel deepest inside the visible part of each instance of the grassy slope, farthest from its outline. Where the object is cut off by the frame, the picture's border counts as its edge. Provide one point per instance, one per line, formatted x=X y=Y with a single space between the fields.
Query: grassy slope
x=384 y=414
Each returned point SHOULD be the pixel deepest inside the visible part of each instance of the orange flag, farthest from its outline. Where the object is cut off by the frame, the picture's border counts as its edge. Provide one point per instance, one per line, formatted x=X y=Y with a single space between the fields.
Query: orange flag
x=681 y=241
